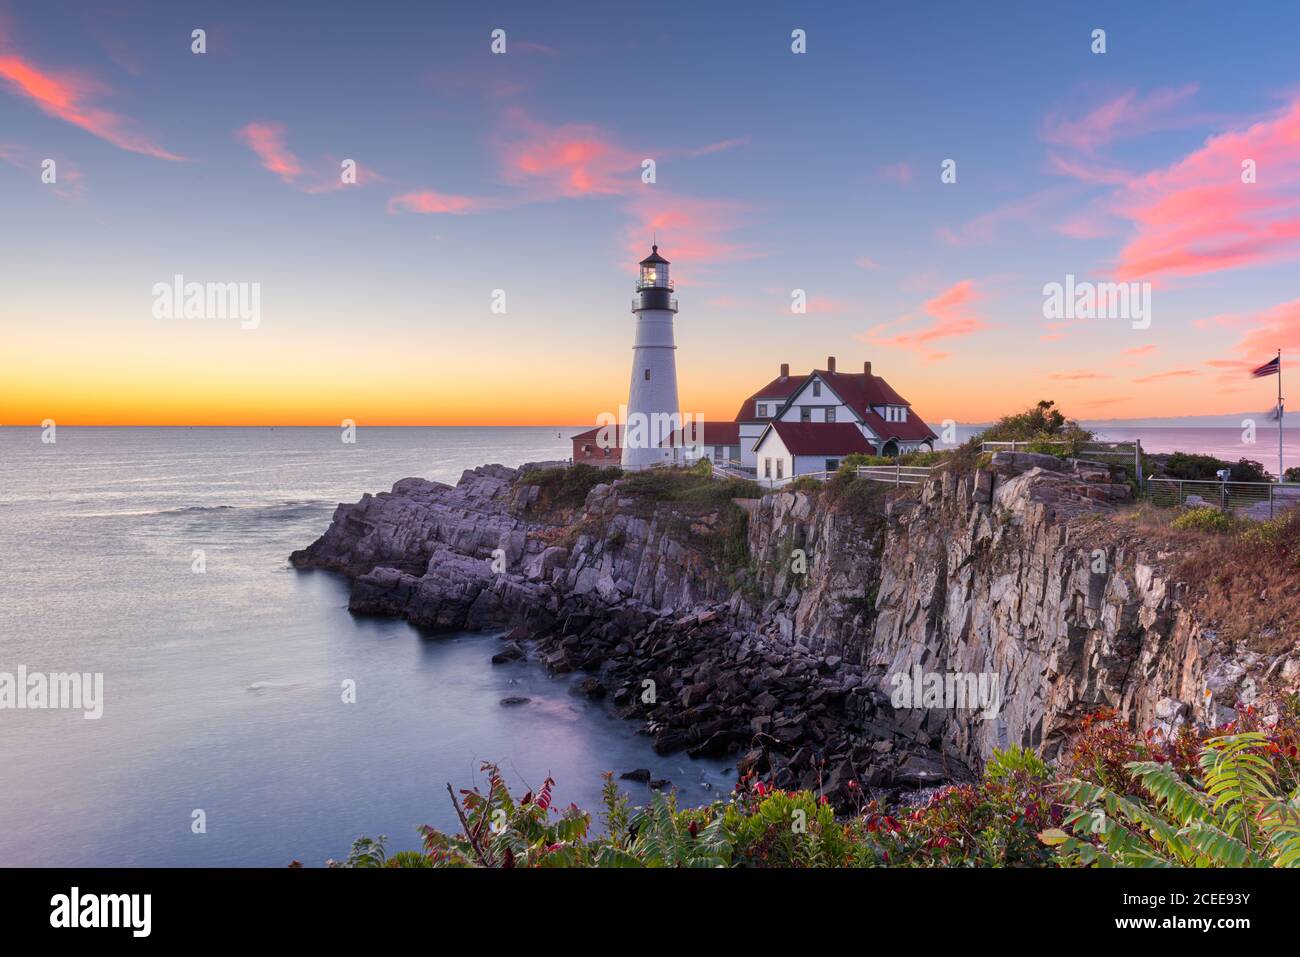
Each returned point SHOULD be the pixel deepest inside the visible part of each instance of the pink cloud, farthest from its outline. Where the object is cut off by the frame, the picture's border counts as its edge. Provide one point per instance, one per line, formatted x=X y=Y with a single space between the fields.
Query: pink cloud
x=952 y=316
x=866 y=262
x=1130 y=357
x=68 y=96
x=1088 y=171
x=984 y=229
x=1076 y=376
x=429 y=202
x=1275 y=328
x=69 y=183
x=691 y=231
x=574 y=159
x=1162 y=376
x=719 y=146
x=901 y=173
x=1197 y=216
x=1128 y=114
x=267 y=141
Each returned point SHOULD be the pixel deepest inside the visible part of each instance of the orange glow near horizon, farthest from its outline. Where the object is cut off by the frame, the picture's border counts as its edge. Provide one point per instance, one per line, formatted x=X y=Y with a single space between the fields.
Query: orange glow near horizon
x=135 y=386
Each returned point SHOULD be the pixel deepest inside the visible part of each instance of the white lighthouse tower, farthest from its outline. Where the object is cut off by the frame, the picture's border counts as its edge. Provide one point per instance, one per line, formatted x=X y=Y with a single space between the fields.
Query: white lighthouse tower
x=652 y=410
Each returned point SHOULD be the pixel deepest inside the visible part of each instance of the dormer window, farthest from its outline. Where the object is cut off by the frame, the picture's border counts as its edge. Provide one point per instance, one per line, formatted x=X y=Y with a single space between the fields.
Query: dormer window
x=761 y=410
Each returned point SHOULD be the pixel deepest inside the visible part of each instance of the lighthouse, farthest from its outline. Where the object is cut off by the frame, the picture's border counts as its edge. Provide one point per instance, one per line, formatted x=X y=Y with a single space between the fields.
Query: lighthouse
x=652 y=410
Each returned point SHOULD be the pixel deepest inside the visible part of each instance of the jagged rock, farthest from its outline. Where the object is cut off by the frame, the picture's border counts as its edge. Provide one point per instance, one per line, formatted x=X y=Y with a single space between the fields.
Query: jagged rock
x=991 y=572
x=511 y=652
x=639 y=774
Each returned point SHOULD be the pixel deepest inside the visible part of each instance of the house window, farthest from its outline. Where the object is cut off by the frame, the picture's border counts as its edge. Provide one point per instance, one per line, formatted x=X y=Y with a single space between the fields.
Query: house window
x=762 y=410
x=832 y=465
x=805 y=413
x=780 y=468
x=817 y=390
x=830 y=413
x=647 y=375
x=767 y=468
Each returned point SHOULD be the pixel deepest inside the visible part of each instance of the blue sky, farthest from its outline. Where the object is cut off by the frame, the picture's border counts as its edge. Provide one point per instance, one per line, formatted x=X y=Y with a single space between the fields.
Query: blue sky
x=775 y=171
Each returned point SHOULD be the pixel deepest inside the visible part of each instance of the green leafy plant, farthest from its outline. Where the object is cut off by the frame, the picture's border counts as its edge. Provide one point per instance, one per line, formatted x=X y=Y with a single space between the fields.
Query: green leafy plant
x=1234 y=814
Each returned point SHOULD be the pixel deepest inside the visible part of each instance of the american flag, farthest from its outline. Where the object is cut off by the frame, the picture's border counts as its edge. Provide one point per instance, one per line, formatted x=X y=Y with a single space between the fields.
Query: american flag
x=1272 y=367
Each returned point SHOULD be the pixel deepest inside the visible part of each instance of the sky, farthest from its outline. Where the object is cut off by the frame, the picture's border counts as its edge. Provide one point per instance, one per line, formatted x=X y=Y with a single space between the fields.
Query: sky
x=516 y=180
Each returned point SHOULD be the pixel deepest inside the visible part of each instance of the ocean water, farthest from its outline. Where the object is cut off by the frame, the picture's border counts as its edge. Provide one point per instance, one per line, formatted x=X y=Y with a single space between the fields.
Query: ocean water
x=1227 y=444
x=223 y=690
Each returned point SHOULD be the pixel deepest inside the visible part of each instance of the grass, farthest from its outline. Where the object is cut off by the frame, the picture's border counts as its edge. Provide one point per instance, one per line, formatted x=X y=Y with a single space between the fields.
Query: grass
x=566 y=486
x=1243 y=577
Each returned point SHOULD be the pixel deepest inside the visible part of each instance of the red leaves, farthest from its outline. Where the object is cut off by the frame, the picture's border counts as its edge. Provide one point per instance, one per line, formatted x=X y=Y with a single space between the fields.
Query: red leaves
x=544 y=795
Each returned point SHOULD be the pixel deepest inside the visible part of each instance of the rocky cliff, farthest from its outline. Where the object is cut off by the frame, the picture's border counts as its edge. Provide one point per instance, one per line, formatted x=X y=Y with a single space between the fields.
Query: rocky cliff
x=1016 y=575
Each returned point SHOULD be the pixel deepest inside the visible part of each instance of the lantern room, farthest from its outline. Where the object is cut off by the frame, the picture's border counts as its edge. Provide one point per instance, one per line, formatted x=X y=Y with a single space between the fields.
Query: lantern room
x=654 y=272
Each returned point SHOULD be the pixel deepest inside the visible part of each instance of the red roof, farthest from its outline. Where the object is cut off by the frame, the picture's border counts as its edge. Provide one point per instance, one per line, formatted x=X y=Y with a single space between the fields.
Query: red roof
x=859 y=391
x=590 y=435
x=820 y=438
x=713 y=433
x=778 y=388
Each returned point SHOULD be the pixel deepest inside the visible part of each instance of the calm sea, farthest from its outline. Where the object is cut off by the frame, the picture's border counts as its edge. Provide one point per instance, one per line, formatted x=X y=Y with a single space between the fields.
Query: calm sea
x=222 y=690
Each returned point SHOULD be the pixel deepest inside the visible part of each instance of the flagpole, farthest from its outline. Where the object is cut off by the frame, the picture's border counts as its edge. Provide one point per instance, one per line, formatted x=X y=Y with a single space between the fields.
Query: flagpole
x=1281 y=473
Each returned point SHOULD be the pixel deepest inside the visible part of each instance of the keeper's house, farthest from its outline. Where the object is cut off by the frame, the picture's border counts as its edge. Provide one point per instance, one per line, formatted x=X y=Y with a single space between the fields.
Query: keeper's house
x=836 y=414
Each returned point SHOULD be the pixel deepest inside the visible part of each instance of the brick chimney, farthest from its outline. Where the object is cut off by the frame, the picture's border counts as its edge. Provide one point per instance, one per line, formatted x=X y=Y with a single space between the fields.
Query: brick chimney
x=866 y=368
x=830 y=363
x=785 y=371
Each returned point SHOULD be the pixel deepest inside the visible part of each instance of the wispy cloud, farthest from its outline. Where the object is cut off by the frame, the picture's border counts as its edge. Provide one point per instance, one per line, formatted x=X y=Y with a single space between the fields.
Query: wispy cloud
x=71 y=97
x=699 y=231
x=949 y=315
x=570 y=160
x=269 y=144
x=1128 y=114
x=267 y=141
x=1081 y=376
x=70 y=182
x=719 y=147
x=429 y=202
x=986 y=228
x=1162 y=376
x=901 y=173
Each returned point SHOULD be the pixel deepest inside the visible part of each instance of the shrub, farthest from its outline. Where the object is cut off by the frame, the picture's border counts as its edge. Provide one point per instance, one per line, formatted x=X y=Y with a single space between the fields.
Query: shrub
x=805 y=483
x=1292 y=474
x=1192 y=466
x=1207 y=518
x=1247 y=470
x=566 y=486
x=1042 y=421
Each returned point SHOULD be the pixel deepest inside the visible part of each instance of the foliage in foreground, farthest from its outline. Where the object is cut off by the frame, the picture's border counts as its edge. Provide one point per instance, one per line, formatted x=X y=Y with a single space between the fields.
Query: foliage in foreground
x=1195 y=798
